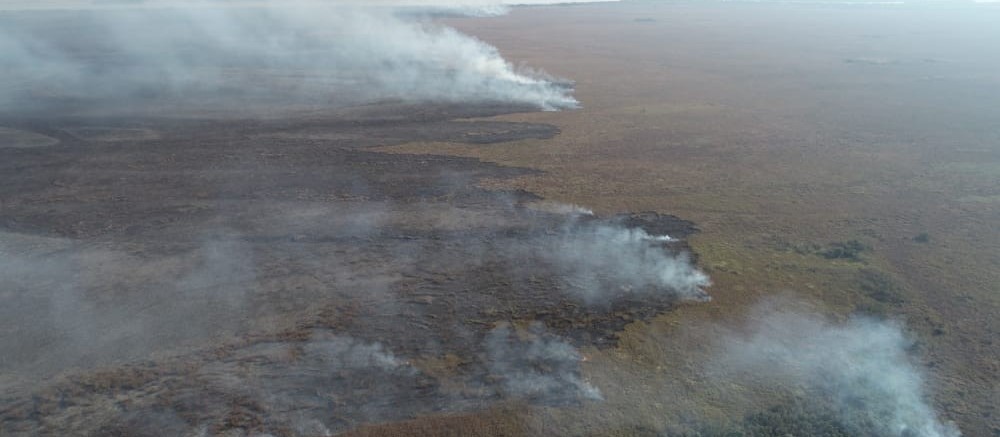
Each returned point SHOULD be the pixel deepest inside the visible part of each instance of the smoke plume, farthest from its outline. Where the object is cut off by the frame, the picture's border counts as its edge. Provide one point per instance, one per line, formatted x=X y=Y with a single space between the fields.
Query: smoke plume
x=201 y=56
x=537 y=366
x=307 y=383
x=602 y=260
x=861 y=366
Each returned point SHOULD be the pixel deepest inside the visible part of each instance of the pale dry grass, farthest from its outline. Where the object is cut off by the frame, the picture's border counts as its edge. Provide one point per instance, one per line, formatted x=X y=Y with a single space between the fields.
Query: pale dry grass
x=753 y=121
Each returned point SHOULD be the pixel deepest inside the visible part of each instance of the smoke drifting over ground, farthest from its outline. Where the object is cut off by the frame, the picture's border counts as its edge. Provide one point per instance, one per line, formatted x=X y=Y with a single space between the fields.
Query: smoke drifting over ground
x=67 y=304
x=860 y=368
x=198 y=56
x=537 y=365
x=273 y=276
x=604 y=260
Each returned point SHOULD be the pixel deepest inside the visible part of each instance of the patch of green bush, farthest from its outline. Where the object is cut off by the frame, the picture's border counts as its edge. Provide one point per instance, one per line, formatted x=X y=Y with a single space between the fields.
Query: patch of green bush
x=874 y=310
x=850 y=250
x=793 y=418
x=879 y=286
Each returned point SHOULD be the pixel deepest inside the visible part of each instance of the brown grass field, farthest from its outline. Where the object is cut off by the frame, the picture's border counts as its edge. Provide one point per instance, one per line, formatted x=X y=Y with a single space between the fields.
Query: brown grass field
x=774 y=126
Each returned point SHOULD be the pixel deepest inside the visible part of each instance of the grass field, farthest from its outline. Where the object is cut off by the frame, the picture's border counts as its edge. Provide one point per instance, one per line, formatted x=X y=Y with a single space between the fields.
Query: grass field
x=783 y=131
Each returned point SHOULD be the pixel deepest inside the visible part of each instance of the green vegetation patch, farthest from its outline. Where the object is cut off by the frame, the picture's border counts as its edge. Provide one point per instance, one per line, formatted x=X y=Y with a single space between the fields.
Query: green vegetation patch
x=880 y=287
x=849 y=250
x=792 y=418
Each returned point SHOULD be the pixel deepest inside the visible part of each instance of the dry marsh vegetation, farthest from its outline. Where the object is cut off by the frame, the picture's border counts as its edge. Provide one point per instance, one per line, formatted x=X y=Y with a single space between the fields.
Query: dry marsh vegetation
x=754 y=122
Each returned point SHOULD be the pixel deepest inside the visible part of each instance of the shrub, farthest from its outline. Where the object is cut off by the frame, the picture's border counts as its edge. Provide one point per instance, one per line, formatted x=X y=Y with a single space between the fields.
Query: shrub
x=851 y=250
x=879 y=286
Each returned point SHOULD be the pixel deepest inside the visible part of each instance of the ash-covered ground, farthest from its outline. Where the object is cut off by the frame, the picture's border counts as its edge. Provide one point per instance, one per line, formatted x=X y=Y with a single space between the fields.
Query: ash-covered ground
x=166 y=276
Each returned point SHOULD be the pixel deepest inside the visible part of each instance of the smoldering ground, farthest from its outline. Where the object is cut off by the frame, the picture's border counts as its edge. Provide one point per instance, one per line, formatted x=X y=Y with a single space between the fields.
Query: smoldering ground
x=539 y=367
x=324 y=287
x=170 y=270
x=69 y=305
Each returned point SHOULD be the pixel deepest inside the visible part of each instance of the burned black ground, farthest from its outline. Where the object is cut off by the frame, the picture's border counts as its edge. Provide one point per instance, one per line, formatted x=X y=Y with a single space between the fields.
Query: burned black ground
x=274 y=276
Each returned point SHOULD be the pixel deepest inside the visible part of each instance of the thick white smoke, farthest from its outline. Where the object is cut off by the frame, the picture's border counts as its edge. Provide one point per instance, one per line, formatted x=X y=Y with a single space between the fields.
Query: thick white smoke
x=861 y=366
x=330 y=52
x=601 y=261
x=415 y=60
